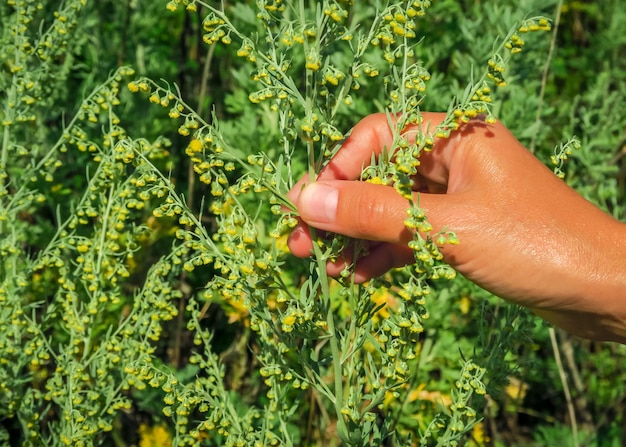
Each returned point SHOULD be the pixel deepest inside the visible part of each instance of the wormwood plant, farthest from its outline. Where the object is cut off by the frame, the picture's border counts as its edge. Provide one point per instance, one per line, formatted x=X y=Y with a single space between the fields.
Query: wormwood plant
x=320 y=340
x=70 y=333
x=81 y=201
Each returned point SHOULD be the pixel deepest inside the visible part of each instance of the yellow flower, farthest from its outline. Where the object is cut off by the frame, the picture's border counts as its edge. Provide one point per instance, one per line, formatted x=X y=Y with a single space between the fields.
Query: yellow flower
x=479 y=437
x=312 y=65
x=420 y=393
x=289 y=320
x=516 y=389
x=465 y=304
x=195 y=146
x=383 y=296
x=313 y=61
x=236 y=310
x=155 y=436
x=82 y=248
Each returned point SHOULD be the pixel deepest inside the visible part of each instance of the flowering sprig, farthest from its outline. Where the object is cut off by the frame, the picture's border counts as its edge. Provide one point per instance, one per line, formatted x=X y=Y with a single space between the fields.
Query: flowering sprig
x=79 y=274
x=476 y=100
x=249 y=272
x=313 y=332
x=562 y=153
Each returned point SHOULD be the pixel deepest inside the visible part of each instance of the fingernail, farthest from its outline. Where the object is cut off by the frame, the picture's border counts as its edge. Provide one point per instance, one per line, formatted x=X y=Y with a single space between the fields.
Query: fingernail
x=318 y=203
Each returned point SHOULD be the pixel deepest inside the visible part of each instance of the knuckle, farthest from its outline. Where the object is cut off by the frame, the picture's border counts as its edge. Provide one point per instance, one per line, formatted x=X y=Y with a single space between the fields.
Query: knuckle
x=374 y=217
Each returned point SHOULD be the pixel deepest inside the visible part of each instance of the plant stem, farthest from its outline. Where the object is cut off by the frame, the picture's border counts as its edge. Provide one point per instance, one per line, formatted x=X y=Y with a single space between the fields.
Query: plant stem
x=5 y=147
x=330 y=319
x=333 y=340
x=566 y=390
x=544 y=78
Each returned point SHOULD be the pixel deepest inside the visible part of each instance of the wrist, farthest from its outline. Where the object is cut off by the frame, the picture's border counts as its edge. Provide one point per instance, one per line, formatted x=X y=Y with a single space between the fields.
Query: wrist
x=595 y=302
x=609 y=282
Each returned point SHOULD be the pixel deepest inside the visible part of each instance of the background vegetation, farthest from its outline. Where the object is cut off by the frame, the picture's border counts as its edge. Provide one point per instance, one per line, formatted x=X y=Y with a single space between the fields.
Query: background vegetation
x=52 y=368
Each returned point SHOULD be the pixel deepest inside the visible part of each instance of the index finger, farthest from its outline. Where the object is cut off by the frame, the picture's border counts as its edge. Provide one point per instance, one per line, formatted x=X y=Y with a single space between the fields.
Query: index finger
x=371 y=136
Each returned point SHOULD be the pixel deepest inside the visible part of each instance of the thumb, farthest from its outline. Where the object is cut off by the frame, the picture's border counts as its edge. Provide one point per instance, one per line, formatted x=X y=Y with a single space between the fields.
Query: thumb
x=363 y=210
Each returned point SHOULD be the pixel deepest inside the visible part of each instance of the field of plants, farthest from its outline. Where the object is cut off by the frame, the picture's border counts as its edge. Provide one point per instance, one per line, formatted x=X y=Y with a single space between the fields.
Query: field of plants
x=147 y=294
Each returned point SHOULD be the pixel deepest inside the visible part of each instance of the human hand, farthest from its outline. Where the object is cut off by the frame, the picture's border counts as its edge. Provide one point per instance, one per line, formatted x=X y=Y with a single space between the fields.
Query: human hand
x=524 y=234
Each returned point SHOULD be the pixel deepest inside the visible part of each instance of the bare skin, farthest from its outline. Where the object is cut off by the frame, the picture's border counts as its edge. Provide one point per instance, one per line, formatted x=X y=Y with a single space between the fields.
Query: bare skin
x=524 y=234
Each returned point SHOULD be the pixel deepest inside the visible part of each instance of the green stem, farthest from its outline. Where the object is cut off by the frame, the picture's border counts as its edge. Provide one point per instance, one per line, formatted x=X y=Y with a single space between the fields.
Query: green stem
x=103 y=231
x=203 y=235
x=333 y=340
x=278 y=72
x=330 y=320
x=544 y=77
x=39 y=166
x=9 y=117
x=5 y=147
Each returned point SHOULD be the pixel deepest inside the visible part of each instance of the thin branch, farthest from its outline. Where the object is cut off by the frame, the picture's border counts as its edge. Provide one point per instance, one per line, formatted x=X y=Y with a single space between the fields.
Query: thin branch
x=206 y=74
x=544 y=78
x=566 y=390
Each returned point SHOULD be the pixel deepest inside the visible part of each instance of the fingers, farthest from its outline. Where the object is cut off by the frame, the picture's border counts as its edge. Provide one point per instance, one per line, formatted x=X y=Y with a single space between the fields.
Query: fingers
x=371 y=212
x=356 y=209
x=337 y=204
x=382 y=258
x=300 y=242
x=367 y=212
x=371 y=136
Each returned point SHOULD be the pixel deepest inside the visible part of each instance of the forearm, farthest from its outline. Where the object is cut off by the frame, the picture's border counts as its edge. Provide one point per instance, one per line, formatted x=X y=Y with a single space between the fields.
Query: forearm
x=597 y=287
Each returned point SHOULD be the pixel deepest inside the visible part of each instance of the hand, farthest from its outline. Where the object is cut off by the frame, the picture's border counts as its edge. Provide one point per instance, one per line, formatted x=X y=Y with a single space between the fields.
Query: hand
x=524 y=234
